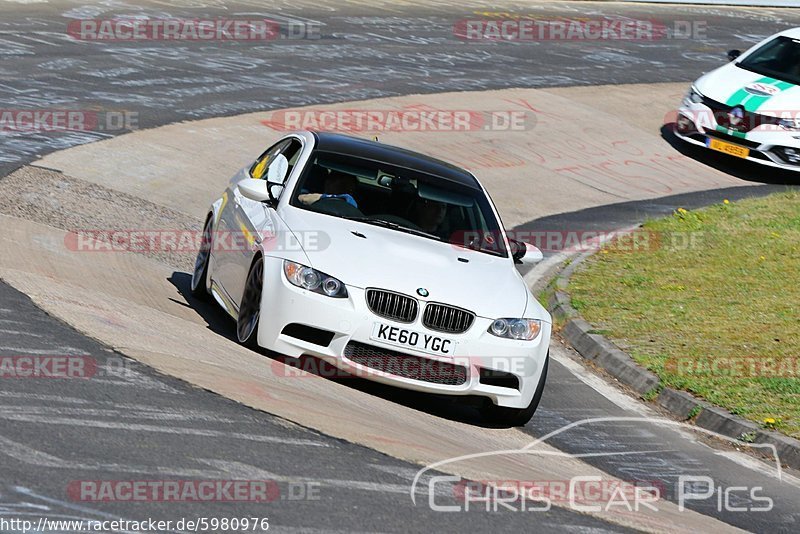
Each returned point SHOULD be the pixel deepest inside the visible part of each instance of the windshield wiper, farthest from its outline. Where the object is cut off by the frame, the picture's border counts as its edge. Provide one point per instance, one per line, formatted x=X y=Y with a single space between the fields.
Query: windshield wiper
x=393 y=226
x=477 y=247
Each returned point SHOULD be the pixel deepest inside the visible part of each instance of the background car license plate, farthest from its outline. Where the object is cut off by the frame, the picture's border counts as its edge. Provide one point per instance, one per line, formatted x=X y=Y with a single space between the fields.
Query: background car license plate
x=728 y=148
x=420 y=341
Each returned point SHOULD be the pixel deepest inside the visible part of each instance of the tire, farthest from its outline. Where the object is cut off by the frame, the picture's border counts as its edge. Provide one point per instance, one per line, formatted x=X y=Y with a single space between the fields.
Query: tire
x=250 y=307
x=199 y=283
x=494 y=414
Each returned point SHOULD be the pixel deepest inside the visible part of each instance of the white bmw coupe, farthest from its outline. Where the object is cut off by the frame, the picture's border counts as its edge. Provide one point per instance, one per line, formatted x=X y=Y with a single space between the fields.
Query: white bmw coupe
x=749 y=108
x=387 y=264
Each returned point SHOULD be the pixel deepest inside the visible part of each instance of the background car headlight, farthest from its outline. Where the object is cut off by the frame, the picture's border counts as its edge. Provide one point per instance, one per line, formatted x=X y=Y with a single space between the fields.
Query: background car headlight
x=313 y=280
x=693 y=96
x=790 y=124
x=524 y=329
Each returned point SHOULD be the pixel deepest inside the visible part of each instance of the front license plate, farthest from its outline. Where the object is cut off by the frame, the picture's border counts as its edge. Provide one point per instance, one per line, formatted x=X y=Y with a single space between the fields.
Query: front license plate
x=402 y=337
x=728 y=148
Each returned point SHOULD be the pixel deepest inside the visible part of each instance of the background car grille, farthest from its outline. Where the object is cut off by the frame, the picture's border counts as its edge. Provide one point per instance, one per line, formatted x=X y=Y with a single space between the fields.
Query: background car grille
x=405 y=365
x=392 y=305
x=446 y=318
x=749 y=122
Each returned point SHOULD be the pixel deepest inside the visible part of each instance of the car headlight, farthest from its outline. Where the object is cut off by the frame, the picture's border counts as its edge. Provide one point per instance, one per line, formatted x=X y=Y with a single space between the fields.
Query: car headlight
x=693 y=96
x=524 y=329
x=313 y=280
x=790 y=124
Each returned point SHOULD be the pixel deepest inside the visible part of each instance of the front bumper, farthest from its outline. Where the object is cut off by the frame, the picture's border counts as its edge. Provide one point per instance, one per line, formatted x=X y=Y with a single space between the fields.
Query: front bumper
x=767 y=144
x=349 y=321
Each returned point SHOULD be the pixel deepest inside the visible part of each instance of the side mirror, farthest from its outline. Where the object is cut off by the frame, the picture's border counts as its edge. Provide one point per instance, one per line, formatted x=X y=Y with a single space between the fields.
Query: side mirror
x=253 y=189
x=264 y=190
x=525 y=253
x=734 y=54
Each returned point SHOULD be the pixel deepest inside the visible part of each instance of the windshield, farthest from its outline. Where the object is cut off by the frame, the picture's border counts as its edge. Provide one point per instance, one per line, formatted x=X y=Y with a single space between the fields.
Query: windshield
x=401 y=199
x=779 y=59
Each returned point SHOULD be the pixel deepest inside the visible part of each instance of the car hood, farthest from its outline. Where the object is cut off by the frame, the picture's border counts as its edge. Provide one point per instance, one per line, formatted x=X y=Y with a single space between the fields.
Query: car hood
x=734 y=86
x=384 y=258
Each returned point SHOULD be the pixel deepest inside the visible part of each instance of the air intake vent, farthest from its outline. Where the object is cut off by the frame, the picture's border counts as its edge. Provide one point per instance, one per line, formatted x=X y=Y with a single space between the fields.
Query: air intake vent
x=395 y=306
x=502 y=379
x=308 y=333
x=405 y=365
x=446 y=318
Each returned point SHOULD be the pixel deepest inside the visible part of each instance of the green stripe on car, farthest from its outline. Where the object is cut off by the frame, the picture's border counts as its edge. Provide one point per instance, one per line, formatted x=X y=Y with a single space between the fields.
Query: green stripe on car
x=752 y=102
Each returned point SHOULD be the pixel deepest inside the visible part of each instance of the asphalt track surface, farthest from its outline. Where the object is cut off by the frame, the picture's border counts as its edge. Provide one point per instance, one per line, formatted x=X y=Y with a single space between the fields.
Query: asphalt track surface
x=134 y=424
x=366 y=49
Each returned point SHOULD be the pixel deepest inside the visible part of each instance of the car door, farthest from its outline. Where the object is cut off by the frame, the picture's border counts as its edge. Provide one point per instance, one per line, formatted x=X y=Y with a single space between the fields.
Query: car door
x=248 y=220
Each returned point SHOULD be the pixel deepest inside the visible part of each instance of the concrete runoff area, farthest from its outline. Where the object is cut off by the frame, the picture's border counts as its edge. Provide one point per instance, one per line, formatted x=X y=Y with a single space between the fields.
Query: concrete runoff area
x=594 y=142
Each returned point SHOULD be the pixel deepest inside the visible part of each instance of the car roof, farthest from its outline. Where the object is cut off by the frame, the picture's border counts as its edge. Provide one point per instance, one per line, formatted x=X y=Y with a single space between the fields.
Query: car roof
x=794 y=33
x=399 y=157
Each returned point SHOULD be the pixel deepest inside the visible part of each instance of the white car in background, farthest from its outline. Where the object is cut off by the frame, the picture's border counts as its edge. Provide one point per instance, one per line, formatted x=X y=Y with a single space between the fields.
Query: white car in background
x=386 y=263
x=749 y=108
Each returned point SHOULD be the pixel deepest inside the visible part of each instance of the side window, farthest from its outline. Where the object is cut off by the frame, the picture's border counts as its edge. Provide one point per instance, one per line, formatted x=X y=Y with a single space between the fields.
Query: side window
x=292 y=153
x=290 y=148
x=259 y=168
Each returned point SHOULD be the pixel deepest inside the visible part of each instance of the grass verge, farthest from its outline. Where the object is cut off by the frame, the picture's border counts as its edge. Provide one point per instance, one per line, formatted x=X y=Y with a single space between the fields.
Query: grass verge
x=709 y=300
